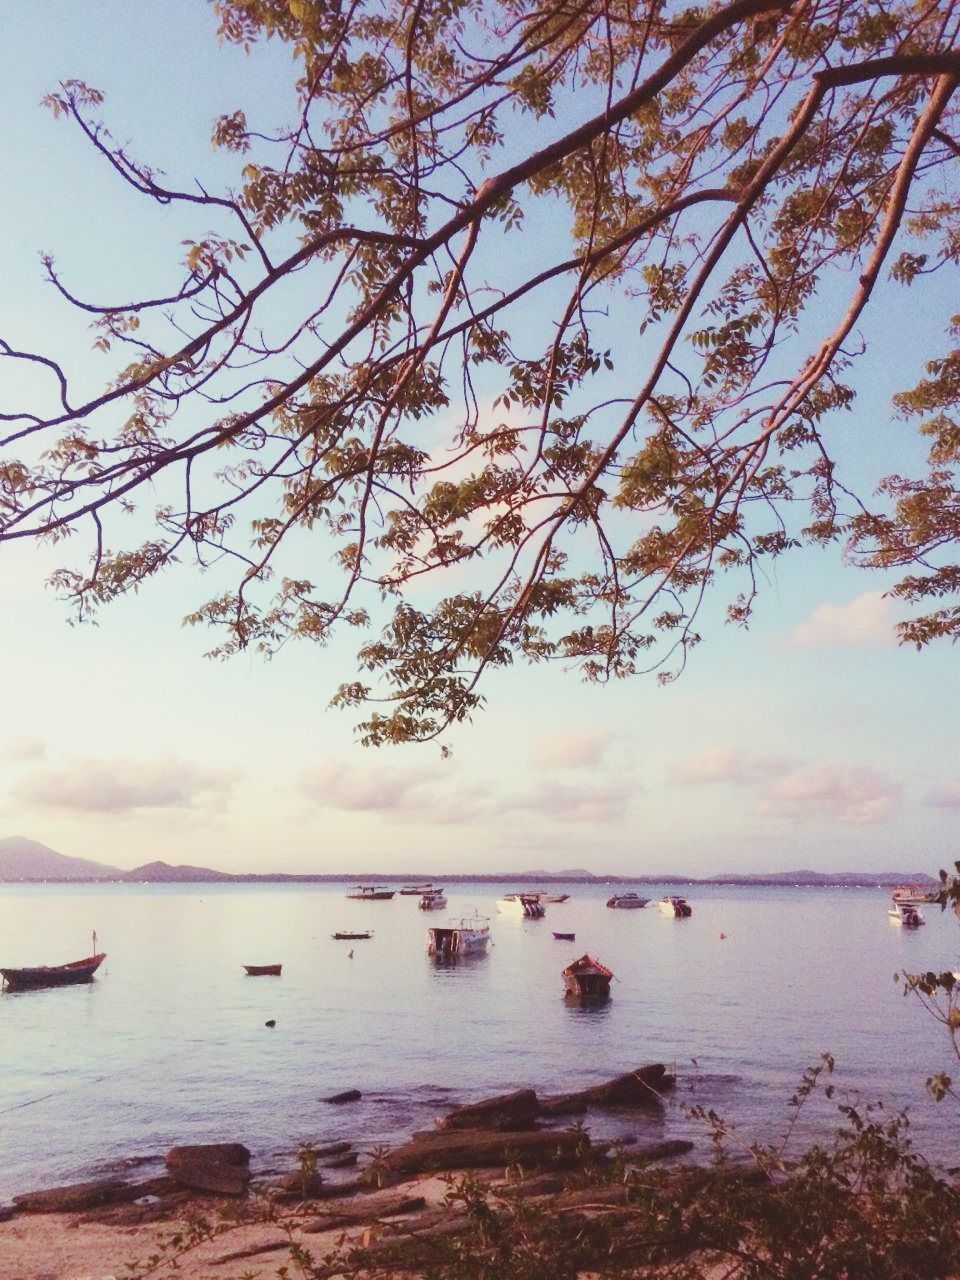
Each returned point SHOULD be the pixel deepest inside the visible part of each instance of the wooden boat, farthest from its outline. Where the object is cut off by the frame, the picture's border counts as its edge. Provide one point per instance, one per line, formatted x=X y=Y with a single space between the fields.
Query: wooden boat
x=672 y=905
x=565 y=937
x=912 y=895
x=371 y=892
x=627 y=901
x=587 y=979
x=417 y=890
x=344 y=936
x=58 y=975
x=470 y=935
x=263 y=970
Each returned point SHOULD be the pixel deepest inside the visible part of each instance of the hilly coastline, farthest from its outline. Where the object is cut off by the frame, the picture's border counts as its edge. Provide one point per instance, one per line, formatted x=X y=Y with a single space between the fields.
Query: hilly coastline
x=25 y=860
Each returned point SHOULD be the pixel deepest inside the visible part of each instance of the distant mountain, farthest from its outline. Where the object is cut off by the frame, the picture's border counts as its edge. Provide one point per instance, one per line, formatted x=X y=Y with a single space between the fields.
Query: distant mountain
x=854 y=878
x=164 y=873
x=23 y=859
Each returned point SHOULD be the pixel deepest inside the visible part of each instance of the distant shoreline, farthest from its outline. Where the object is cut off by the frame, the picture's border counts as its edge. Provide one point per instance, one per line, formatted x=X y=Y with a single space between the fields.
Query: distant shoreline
x=840 y=880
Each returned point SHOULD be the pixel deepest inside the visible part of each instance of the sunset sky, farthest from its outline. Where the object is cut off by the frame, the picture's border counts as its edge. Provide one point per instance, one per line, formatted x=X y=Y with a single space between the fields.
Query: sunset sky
x=811 y=740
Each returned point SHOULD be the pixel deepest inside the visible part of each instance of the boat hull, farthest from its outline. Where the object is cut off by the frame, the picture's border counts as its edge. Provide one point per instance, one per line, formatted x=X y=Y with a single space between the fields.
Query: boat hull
x=627 y=902
x=61 y=975
x=470 y=937
x=263 y=970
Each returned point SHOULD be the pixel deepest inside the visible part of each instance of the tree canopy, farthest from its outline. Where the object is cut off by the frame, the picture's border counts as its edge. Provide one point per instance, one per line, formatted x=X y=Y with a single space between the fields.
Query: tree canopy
x=533 y=325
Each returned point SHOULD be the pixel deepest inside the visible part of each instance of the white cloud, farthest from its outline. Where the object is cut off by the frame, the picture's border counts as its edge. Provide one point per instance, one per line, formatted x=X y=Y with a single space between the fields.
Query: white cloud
x=946 y=795
x=24 y=749
x=725 y=764
x=123 y=786
x=865 y=622
x=572 y=750
x=848 y=794
x=566 y=803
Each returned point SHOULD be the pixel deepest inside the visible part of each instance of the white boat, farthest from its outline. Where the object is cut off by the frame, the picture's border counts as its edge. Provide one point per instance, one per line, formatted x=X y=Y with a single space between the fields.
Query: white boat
x=627 y=901
x=432 y=900
x=469 y=935
x=526 y=905
x=912 y=895
x=911 y=917
x=672 y=905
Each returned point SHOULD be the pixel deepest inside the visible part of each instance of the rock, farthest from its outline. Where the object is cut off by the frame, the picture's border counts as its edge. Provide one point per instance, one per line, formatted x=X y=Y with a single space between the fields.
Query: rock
x=565 y=1104
x=474 y=1148
x=348 y=1095
x=511 y=1111
x=640 y=1088
x=220 y=1167
x=303 y=1186
x=76 y=1197
x=345 y=1213
x=342 y=1162
x=6 y=1212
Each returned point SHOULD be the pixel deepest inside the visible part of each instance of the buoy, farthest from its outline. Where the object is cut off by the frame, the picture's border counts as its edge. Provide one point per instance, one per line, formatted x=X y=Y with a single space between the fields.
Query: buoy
x=350 y=954
x=722 y=936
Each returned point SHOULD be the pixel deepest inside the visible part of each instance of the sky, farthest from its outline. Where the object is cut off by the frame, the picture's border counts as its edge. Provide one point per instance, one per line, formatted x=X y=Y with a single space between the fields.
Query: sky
x=810 y=740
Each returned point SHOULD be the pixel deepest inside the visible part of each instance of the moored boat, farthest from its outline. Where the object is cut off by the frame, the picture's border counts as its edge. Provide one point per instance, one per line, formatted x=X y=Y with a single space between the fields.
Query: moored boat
x=545 y=896
x=627 y=901
x=57 y=975
x=527 y=905
x=416 y=890
x=371 y=893
x=263 y=970
x=432 y=900
x=672 y=905
x=587 y=979
x=912 y=895
x=904 y=913
x=356 y=936
x=469 y=935
x=565 y=937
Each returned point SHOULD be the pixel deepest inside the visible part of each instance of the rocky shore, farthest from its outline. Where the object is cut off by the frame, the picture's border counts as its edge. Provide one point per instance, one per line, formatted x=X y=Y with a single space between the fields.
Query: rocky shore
x=225 y=1217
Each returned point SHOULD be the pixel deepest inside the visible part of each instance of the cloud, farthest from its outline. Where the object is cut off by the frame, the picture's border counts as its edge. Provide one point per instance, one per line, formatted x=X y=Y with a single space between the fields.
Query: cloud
x=123 y=786
x=946 y=795
x=725 y=764
x=356 y=788
x=24 y=749
x=572 y=750
x=565 y=803
x=842 y=793
x=866 y=622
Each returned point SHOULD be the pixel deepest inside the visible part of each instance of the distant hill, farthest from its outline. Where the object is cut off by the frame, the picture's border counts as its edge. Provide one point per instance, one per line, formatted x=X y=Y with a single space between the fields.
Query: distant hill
x=164 y=873
x=853 y=878
x=23 y=859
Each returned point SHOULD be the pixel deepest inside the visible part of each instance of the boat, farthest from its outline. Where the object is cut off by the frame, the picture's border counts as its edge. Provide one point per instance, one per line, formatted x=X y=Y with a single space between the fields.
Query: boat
x=587 y=979
x=57 y=975
x=371 y=893
x=627 y=901
x=263 y=970
x=904 y=913
x=416 y=890
x=671 y=905
x=432 y=900
x=358 y=936
x=466 y=936
x=565 y=937
x=912 y=895
x=544 y=896
x=527 y=905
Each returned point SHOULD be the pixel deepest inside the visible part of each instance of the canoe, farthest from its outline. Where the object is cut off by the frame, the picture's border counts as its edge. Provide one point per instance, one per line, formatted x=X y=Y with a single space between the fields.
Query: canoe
x=262 y=970
x=565 y=937
x=57 y=975
x=352 y=937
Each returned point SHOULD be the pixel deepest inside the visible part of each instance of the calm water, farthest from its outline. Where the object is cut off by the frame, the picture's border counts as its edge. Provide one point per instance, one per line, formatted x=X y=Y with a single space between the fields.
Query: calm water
x=169 y=1044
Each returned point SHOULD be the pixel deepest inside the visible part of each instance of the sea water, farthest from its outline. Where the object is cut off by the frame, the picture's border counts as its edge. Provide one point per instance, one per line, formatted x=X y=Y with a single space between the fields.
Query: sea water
x=170 y=1044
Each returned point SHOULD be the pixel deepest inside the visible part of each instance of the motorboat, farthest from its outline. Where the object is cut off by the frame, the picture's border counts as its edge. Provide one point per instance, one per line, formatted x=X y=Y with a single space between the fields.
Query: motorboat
x=565 y=937
x=467 y=936
x=627 y=901
x=432 y=900
x=672 y=905
x=526 y=905
x=371 y=893
x=587 y=979
x=416 y=890
x=357 y=936
x=912 y=895
x=904 y=913
x=545 y=896
x=263 y=970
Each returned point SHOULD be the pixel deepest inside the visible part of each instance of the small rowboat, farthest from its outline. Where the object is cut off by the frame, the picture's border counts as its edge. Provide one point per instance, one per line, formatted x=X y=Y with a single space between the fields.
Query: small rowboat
x=262 y=970
x=565 y=937
x=352 y=937
x=58 y=975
